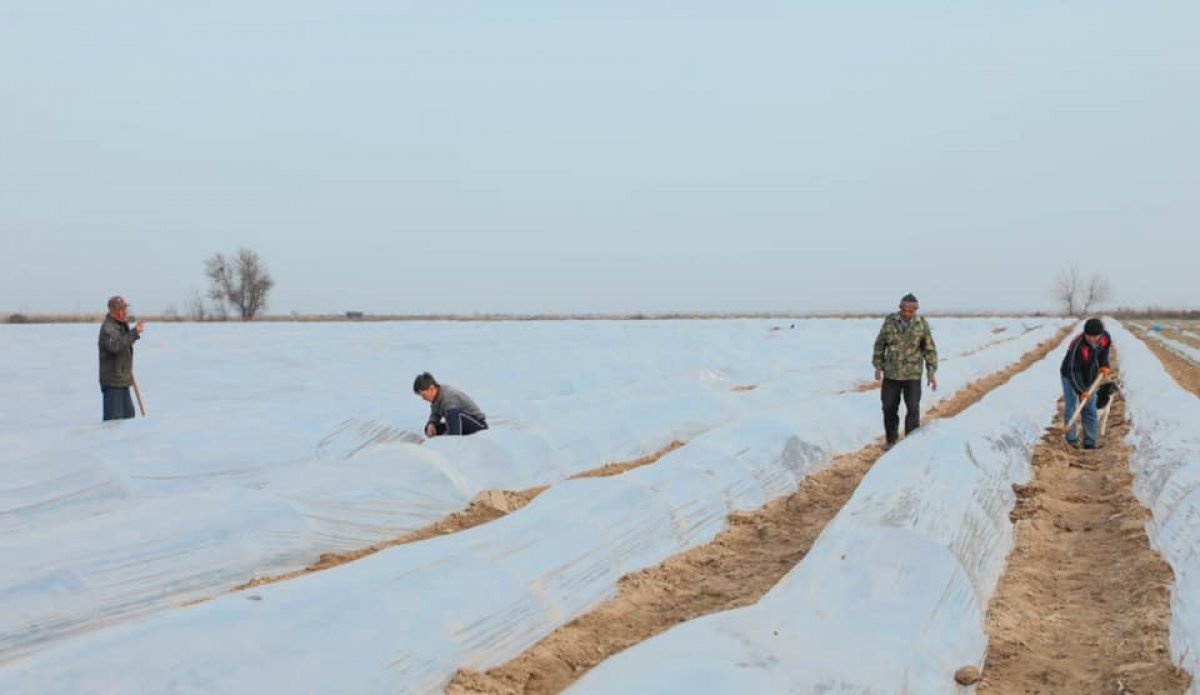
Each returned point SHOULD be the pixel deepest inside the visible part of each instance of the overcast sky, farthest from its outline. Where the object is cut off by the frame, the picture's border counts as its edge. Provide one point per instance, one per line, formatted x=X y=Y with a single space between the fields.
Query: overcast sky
x=616 y=156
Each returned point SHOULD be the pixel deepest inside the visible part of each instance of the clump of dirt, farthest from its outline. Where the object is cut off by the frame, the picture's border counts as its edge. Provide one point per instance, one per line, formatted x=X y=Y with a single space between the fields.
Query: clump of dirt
x=1084 y=604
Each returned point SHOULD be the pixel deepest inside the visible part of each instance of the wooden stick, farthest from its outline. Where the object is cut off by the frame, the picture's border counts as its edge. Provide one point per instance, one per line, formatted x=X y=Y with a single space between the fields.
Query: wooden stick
x=1083 y=401
x=138 y=392
x=1104 y=417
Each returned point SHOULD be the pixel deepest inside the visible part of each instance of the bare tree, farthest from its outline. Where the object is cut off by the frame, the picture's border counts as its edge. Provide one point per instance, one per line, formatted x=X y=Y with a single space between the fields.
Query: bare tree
x=1066 y=288
x=1077 y=296
x=1097 y=292
x=241 y=281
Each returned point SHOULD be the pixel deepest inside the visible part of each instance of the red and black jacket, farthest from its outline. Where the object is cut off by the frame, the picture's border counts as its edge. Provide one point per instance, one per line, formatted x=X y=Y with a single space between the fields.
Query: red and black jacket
x=1083 y=362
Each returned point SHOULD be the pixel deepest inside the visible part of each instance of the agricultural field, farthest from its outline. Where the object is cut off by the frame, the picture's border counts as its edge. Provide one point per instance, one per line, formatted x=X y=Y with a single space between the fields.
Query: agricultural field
x=666 y=506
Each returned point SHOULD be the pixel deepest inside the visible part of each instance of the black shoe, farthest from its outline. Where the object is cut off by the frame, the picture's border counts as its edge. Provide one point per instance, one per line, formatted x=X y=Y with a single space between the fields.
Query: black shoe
x=1089 y=445
x=888 y=445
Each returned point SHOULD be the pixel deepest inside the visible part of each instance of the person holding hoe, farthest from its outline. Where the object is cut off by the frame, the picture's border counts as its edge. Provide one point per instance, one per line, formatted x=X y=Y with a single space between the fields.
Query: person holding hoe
x=903 y=346
x=1083 y=367
x=116 y=359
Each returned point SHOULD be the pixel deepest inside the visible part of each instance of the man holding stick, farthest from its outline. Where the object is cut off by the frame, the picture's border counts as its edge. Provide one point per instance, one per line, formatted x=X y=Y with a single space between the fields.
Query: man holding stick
x=1083 y=367
x=116 y=359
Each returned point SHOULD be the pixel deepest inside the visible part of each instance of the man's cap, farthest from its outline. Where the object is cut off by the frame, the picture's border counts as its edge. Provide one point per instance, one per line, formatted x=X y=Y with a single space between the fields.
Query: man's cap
x=1093 y=327
x=117 y=302
x=910 y=297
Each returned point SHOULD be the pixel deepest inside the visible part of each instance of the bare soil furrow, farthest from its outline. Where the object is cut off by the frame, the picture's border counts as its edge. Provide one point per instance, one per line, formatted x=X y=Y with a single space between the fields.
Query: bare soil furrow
x=735 y=570
x=1084 y=604
x=1183 y=371
x=489 y=505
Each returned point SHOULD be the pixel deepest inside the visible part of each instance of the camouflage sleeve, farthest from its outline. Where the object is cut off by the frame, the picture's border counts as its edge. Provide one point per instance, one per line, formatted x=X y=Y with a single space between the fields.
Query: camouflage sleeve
x=931 y=359
x=880 y=346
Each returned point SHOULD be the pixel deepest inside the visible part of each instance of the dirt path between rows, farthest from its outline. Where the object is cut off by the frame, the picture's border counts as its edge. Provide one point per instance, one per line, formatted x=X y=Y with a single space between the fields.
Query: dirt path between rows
x=1084 y=604
x=489 y=505
x=735 y=570
x=1184 y=372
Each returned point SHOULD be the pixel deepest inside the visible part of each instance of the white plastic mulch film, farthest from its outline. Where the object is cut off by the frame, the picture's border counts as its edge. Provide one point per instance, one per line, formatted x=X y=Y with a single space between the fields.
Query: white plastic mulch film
x=1178 y=347
x=892 y=596
x=1165 y=434
x=140 y=525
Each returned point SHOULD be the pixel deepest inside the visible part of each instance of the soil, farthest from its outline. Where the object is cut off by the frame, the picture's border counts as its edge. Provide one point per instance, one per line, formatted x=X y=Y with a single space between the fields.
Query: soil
x=487 y=506
x=619 y=468
x=1084 y=604
x=874 y=385
x=1183 y=371
x=735 y=570
x=1082 y=608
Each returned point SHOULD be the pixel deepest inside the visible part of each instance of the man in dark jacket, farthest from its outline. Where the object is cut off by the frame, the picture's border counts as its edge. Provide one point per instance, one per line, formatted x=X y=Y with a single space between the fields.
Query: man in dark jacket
x=450 y=411
x=903 y=346
x=116 y=359
x=1086 y=358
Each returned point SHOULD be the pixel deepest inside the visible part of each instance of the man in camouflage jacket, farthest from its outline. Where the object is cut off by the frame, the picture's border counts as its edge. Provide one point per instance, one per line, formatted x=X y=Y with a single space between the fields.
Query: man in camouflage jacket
x=904 y=343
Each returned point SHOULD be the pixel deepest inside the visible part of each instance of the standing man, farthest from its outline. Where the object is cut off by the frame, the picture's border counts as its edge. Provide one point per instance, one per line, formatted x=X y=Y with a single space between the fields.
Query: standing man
x=116 y=359
x=904 y=343
x=450 y=411
x=1086 y=358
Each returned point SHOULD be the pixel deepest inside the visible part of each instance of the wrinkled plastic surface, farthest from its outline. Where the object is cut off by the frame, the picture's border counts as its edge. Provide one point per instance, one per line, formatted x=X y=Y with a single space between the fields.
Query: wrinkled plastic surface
x=1182 y=349
x=479 y=597
x=891 y=598
x=1165 y=433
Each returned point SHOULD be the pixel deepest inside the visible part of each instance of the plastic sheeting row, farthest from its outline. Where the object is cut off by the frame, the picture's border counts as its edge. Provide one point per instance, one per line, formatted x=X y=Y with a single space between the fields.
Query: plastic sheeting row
x=121 y=526
x=892 y=596
x=1182 y=349
x=1165 y=434
x=405 y=618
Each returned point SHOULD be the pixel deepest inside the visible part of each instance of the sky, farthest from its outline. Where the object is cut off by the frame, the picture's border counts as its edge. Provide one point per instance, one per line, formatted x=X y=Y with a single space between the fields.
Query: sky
x=588 y=157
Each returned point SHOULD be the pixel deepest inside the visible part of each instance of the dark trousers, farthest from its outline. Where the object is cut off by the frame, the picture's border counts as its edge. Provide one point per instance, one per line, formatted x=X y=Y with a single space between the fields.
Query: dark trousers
x=118 y=404
x=458 y=422
x=890 y=394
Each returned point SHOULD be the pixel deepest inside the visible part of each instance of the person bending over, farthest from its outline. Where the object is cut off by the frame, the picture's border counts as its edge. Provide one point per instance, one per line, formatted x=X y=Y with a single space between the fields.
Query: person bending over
x=1086 y=358
x=450 y=411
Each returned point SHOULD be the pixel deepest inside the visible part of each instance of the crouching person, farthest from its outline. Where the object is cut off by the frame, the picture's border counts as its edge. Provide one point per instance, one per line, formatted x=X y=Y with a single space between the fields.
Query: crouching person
x=450 y=411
